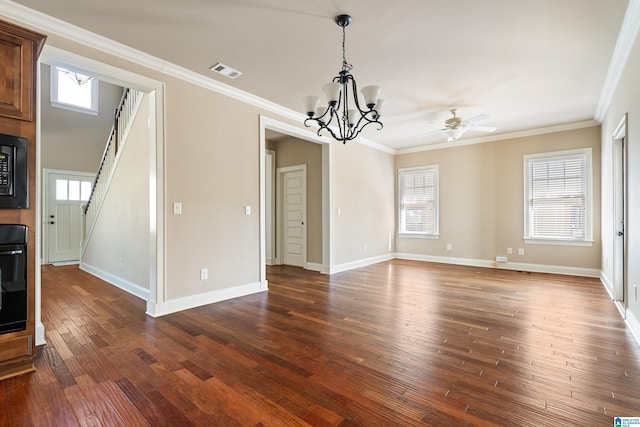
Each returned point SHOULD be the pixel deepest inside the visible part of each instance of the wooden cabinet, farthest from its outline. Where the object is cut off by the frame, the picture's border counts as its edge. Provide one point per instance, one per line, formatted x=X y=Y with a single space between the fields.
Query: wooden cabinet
x=19 y=50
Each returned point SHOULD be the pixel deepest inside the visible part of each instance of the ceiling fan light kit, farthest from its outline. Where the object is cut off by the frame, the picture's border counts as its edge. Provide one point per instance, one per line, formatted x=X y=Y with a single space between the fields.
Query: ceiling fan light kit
x=341 y=120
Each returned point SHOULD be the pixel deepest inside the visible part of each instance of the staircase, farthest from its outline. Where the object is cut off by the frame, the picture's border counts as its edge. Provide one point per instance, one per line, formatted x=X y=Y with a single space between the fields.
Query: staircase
x=123 y=118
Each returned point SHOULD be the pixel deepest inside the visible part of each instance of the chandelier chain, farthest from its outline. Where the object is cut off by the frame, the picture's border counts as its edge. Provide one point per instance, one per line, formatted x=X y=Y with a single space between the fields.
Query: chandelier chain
x=345 y=65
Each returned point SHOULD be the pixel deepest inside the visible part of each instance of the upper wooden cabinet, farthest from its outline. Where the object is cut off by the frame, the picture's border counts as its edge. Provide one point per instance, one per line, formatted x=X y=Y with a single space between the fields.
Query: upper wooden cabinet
x=19 y=50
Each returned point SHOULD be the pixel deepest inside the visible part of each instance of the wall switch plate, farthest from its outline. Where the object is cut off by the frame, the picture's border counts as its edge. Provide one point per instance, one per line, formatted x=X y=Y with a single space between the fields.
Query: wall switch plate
x=204 y=273
x=177 y=208
x=520 y=251
x=509 y=251
x=449 y=246
x=247 y=210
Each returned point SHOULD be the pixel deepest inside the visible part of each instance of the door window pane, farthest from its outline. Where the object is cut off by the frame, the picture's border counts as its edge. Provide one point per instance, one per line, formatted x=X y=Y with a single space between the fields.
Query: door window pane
x=74 y=190
x=85 y=190
x=61 y=189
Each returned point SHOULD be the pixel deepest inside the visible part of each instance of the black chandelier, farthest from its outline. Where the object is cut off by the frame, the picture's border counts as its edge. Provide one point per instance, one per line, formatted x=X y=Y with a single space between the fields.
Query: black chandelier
x=337 y=114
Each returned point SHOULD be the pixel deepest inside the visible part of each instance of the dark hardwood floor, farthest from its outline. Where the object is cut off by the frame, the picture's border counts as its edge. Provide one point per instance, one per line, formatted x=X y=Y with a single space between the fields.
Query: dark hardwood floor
x=397 y=343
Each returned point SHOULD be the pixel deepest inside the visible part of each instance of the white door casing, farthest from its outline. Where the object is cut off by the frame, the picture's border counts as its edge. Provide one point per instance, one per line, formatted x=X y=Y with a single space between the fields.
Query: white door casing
x=270 y=212
x=65 y=193
x=293 y=208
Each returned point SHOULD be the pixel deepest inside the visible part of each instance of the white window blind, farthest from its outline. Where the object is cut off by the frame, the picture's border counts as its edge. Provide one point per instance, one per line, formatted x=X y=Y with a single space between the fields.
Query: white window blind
x=418 y=200
x=557 y=196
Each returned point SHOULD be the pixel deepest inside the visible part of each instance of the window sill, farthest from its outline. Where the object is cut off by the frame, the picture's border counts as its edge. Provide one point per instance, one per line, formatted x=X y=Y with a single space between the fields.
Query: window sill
x=556 y=242
x=75 y=108
x=418 y=236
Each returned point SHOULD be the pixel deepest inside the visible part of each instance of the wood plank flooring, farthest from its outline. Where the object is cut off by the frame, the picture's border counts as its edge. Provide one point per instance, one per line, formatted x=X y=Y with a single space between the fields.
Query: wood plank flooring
x=398 y=343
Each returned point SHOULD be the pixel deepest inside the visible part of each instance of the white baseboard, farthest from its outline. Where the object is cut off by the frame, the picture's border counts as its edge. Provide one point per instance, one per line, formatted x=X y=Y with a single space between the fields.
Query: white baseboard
x=119 y=282
x=444 y=260
x=192 y=301
x=534 y=268
x=314 y=266
x=359 y=263
x=607 y=283
x=40 y=339
x=634 y=325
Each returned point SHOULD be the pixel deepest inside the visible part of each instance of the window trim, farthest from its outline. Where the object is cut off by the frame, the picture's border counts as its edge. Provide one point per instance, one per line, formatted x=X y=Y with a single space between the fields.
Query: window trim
x=587 y=240
x=53 y=96
x=436 y=215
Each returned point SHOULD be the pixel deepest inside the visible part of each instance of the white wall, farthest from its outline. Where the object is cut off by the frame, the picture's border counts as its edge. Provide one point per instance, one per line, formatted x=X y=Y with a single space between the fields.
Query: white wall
x=118 y=248
x=71 y=140
x=625 y=100
x=363 y=188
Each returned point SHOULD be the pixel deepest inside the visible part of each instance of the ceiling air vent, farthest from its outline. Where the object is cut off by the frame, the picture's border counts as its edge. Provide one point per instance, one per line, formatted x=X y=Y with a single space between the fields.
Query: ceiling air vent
x=226 y=71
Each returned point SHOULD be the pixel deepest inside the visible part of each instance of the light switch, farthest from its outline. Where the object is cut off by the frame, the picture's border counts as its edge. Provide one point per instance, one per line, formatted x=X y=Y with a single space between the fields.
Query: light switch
x=247 y=210
x=177 y=208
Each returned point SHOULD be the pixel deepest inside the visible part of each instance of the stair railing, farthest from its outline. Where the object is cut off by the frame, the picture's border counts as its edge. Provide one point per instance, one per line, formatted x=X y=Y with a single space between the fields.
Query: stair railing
x=123 y=116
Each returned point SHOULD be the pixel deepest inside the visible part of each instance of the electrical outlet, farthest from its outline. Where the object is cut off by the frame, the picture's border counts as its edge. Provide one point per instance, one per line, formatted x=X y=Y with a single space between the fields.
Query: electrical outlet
x=204 y=273
x=509 y=251
x=449 y=246
x=520 y=251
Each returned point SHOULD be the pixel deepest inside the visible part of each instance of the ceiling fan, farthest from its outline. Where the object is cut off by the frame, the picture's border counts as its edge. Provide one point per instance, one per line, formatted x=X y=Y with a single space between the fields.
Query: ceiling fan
x=455 y=127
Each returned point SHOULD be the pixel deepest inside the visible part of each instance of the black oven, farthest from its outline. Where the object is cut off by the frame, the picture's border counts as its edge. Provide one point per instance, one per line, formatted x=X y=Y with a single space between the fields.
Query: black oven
x=13 y=278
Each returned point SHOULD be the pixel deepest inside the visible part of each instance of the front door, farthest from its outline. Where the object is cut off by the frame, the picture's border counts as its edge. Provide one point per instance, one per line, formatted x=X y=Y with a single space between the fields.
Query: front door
x=294 y=215
x=65 y=194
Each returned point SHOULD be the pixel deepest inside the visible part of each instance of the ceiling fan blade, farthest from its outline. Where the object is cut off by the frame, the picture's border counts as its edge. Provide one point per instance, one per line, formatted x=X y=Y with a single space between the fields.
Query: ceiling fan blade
x=475 y=119
x=482 y=128
x=430 y=132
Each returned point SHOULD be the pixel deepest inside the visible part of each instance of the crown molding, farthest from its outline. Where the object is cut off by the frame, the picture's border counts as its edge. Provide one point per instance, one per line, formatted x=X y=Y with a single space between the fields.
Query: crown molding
x=502 y=136
x=50 y=25
x=626 y=39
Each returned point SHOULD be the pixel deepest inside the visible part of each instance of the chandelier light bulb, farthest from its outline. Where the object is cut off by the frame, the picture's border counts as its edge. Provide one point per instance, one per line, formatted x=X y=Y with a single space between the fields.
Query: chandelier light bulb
x=332 y=93
x=311 y=103
x=371 y=94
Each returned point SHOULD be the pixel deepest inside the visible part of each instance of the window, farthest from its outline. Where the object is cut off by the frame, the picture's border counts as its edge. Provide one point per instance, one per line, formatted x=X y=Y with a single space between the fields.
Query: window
x=72 y=190
x=418 y=201
x=73 y=90
x=558 y=197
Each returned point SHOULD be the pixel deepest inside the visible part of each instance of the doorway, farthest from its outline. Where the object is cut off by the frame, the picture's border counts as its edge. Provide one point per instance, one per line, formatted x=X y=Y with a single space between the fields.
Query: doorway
x=155 y=92
x=318 y=258
x=64 y=194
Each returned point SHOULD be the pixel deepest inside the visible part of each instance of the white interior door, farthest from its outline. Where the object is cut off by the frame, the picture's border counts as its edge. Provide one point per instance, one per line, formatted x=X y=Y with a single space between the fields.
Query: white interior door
x=294 y=215
x=620 y=191
x=65 y=194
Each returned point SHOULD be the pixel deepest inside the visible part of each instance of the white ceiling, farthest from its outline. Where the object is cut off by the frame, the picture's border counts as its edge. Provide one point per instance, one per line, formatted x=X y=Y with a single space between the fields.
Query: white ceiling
x=526 y=63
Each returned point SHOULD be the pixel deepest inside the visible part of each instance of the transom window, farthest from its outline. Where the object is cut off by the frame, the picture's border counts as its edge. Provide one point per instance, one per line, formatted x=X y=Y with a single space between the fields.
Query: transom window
x=418 y=201
x=73 y=90
x=73 y=190
x=558 y=197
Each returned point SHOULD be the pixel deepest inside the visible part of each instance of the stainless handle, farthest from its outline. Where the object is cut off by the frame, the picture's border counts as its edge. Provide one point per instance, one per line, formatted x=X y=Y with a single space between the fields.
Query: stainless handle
x=17 y=252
